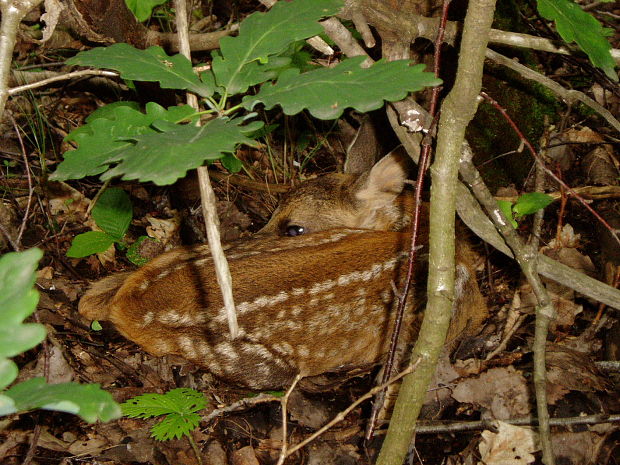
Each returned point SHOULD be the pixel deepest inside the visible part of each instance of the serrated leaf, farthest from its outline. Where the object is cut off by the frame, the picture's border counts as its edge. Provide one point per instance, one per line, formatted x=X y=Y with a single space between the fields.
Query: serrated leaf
x=151 y=65
x=106 y=135
x=174 y=426
x=180 y=400
x=142 y=9
x=531 y=202
x=245 y=60
x=89 y=243
x=113 y=212
x=166 y=156
x=17 y=301
x=574 y=24
x=86 y=400
x=327 y=92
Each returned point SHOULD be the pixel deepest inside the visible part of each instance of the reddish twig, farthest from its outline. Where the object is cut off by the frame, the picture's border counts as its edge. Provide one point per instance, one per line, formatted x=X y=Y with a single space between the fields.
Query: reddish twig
x=423 y=164
x=549 y=172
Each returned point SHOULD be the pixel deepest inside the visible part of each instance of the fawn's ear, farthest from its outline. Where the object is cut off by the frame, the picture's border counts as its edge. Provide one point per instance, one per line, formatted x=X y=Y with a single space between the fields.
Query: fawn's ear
x=383 y=182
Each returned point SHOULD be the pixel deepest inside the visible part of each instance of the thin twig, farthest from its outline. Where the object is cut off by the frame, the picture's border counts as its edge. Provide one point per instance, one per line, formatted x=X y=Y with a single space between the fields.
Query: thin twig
x=547 y=170
x=342 y=415
x=61 y=77
x=284 y=403
x=526 y=257
x=207 y=196
x=18 y=239
x=433 y=427
x=424 y=162
x=568 y=95
x=242 y=404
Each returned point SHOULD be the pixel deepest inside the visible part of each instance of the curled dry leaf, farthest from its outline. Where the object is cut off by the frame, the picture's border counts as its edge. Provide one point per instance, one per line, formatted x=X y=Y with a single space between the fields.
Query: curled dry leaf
x=562 y=154
x=165 y=230
x=67 y=203
x=511 y=445
x=581 y=448
x=573 y=370
x=563 y=248
x=503 y=391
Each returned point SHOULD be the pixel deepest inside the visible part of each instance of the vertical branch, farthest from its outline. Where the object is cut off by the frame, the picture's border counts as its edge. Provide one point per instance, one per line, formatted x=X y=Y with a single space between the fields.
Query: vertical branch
x=207 y=196
x=13 y=11
x=457 y=111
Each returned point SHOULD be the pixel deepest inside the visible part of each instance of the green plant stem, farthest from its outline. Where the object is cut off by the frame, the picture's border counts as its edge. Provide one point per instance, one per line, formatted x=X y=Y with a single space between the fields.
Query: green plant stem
x=97 y=195
x=195 y=448
x=457 y=111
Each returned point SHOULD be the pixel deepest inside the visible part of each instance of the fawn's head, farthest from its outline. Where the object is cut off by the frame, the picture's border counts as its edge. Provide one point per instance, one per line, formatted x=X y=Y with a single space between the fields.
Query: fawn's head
x=362 y=201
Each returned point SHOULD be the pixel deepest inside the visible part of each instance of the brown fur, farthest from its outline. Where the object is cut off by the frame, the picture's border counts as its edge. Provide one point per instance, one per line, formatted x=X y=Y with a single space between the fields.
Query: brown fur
x=309 y=304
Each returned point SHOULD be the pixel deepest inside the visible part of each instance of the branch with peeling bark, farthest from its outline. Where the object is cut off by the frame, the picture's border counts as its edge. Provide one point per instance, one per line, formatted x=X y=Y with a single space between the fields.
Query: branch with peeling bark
x=457 y=111
x=207 y=198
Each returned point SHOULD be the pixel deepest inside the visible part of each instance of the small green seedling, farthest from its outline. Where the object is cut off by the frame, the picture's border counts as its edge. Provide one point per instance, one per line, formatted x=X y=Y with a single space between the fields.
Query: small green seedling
x=525 y=205
x=178 y=406
x=113 y=214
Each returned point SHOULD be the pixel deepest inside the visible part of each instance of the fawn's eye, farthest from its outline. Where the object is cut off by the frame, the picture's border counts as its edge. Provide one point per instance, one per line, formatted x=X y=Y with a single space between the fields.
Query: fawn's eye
x=294 y=230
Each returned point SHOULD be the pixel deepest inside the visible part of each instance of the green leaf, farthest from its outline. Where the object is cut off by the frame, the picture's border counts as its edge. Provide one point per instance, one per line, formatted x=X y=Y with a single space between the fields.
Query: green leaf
x=174 y=426
x=86 y=400
x=8 y=372
x=17 y=301
x=249 y=59
x=180 y=405
x=107 y=111
x=180 y=400
x=113 y=212
x=17 y=298
x=17 y=339
x=152 y=64
x=7 y=405
x=166 y=156
x=96 y=326
x=506 y=207
x=530 y=203
x=574 y=24
x=142 y=9
x=90 y=243
x=232 y=163
x=106 y=133
x=327 y=92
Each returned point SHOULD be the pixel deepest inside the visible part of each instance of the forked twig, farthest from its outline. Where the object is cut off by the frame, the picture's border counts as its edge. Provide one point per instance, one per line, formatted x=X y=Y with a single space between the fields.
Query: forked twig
x=342 y=415
x=284 y=402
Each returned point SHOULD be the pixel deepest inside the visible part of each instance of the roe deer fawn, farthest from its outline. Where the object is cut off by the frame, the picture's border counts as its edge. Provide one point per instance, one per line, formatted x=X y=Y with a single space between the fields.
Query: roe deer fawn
x=313 y=289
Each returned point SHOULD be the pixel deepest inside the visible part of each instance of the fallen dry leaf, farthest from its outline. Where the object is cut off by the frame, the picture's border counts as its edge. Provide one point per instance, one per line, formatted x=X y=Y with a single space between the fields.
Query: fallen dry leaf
x=245 y=456
x=501 y=390
x=165 y=230
x=579 y=448
x=511 y=445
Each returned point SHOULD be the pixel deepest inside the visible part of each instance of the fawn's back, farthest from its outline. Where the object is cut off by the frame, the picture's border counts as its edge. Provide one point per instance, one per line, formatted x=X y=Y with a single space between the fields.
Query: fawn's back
x=313 y=290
